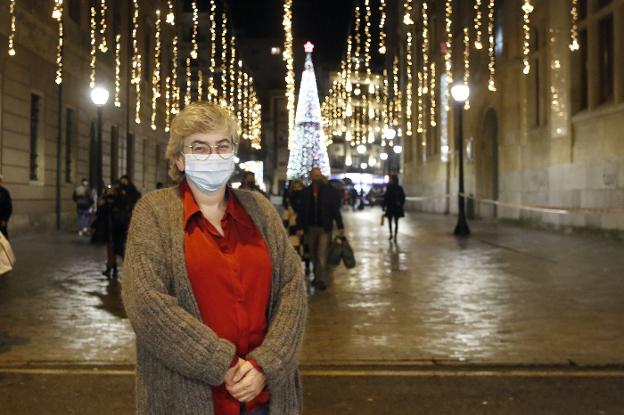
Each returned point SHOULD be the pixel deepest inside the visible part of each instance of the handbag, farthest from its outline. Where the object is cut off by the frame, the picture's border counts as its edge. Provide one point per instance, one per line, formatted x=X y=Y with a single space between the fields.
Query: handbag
x=348 y=257
x=334 y=254
x=7 y=257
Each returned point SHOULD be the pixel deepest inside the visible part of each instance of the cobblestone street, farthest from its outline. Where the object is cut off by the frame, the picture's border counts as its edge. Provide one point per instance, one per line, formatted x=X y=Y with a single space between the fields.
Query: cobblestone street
x=506 y=296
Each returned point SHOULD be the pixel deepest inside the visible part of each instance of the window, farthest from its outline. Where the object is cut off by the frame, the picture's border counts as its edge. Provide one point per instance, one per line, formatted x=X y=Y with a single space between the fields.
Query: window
x=35 y=110
x=114 y=154
x=69 y=144
x=605 y=63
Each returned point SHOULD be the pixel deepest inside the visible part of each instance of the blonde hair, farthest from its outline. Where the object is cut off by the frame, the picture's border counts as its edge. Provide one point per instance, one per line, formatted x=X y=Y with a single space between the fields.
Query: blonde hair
x=198 y=117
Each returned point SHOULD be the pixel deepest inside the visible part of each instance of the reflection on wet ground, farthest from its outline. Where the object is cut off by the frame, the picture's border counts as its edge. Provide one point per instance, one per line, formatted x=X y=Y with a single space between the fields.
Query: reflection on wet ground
x=506 y=295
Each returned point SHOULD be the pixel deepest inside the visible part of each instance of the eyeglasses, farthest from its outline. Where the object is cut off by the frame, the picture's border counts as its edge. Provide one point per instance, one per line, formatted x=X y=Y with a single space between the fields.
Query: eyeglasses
x=201 y=151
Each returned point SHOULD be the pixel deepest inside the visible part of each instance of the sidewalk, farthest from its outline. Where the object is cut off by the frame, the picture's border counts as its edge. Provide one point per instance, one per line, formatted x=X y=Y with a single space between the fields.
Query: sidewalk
x=507 y=295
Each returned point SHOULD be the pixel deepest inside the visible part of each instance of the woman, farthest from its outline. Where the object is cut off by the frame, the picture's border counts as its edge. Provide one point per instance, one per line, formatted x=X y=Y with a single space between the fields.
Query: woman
x=393 y=202
x=212 y=287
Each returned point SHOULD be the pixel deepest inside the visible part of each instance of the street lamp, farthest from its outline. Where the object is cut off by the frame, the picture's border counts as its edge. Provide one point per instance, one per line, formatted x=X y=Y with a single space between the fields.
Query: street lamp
x=99 y=96
x=460 y=93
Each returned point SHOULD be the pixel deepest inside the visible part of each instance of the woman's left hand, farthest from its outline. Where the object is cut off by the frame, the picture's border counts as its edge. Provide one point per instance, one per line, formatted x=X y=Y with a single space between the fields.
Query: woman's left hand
x=247 y=383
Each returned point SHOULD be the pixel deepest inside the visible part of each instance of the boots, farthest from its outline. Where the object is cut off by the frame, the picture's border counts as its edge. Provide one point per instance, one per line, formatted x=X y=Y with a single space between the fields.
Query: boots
x=111 y=273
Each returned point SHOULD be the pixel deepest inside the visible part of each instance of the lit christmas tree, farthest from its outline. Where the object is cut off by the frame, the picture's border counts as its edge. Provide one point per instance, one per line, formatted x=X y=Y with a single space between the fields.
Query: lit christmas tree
x=308 y=145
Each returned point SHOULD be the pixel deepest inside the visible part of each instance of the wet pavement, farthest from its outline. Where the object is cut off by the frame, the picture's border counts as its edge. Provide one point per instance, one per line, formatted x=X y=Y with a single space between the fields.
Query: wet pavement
x=506 y=296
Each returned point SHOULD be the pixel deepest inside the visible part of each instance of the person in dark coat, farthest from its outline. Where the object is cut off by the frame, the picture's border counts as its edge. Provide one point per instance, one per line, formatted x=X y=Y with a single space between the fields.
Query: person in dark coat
x=319 y=209
x=6 y=209
x=393 y=202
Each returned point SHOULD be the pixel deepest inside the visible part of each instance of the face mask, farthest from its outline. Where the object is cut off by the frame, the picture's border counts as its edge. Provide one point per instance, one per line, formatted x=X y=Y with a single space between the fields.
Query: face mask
x=208 y=175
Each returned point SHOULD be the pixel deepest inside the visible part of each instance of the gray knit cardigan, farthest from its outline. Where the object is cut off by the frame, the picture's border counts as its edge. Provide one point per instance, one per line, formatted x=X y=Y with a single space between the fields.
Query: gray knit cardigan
x=178 y=357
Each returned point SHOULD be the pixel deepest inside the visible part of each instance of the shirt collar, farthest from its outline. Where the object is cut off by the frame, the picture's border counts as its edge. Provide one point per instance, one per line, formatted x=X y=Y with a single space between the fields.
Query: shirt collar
x=234 y=208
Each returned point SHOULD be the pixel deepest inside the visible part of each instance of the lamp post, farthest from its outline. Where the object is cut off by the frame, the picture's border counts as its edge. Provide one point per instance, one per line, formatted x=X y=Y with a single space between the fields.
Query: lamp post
x=460 y=93
x=99 y=96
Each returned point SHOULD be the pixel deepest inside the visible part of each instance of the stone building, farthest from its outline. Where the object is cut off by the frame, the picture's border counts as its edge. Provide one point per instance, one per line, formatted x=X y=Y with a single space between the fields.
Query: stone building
x=30 y=105
x=549 y=138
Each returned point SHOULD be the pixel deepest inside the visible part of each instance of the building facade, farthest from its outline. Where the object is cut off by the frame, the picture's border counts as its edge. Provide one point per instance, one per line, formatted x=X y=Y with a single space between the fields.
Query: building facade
x=550 y=138
x=30 y=101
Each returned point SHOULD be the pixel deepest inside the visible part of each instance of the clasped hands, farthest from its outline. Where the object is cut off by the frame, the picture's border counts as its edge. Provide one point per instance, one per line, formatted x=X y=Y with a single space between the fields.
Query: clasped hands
x=244 y=382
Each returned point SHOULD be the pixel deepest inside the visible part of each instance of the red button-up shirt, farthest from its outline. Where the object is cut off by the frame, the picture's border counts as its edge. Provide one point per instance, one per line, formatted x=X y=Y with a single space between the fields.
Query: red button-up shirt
x=231 y=278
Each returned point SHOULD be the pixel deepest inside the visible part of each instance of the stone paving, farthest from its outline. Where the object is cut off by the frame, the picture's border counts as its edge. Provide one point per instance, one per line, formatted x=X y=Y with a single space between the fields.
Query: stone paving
x=508 y=295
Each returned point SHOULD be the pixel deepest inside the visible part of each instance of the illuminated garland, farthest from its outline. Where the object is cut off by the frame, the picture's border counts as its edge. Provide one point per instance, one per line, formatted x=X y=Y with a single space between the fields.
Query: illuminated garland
x=57 y=15
x=187 y=96
x=527 y=8
x=168 y=103
x=117 y=69
x=200 y=85
x=408 y=86
x=432 y=95
x=170 y=19
x=466 y=63
x=382 y=24
x=491 y=57
x=232 y=71
x=357 y=40
x=224 y=60
x=407 y=16
x=12 y=33
x=175 y=87
x=574 y=43
x=156 y=71
x=448 y=56
x=136 y=61
x=290 y=71
x=103 y=12
x=239 y=90
x=396 y=92
x=212 y=91
x=194 y=47
x=478 y=22
x=93 y=53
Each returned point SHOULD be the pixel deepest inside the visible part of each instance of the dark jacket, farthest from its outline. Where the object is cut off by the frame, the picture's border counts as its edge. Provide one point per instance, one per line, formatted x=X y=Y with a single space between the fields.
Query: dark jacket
x=322 y=210
x=393 y=202
x=6 y=206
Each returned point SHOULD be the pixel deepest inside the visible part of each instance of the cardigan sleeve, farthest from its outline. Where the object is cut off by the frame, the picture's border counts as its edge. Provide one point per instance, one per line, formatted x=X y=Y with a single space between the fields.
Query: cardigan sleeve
x=278 y=354
x=169 y=332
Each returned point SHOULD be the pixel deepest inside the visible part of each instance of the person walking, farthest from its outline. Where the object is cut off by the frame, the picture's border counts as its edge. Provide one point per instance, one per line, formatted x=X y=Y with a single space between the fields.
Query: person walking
x=107 y=229
x=6 y=208
x=212 y=287
x=319 y=209
x=393 y=202
x=82 y=196
x=249 y=183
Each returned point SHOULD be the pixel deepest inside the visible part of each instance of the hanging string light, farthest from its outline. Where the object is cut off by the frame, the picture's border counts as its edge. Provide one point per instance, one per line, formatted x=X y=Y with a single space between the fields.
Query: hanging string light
x=239 y=92
x=200 y=85
x=491 y=57
x=117 y=69
x=175 y=87
x=194 y=47
x=407 y=16
x=170 y=19
x=156 y=72
x=212 y=91
x=408 y=86
x=382 y=27
x=396 y=92
x=432 y=95
x=290 y=71
x=224 y=60
x=358 y=41
x=448 y=55
x=574 y=42
x=168 y=103
x=423 y=74
x=466 y=64
x=246 y=106
x=136 y=61
x=103 y=13
x=12 y=33
x=187 y=96
x=57 y=14
x=527 y=8
x=478 y=23
x=93 y=49
x=232 y=73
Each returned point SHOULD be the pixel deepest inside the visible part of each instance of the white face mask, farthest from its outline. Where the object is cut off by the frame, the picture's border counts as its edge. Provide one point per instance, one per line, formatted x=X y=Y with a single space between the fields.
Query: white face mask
x=210 y=174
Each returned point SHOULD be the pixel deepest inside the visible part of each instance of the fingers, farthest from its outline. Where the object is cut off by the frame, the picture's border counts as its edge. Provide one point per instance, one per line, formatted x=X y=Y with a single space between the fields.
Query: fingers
x=229 y=375
x=242 y=370
x=249 y=387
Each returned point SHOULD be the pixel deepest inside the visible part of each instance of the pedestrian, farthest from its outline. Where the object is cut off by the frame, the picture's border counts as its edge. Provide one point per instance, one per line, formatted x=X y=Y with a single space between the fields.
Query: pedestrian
x=212 y=287
x=393 y=202
x=82 y=196
x=320 y=208
x=6 y=208
x=249 y=183
x=289 y=215
x=106 y=228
